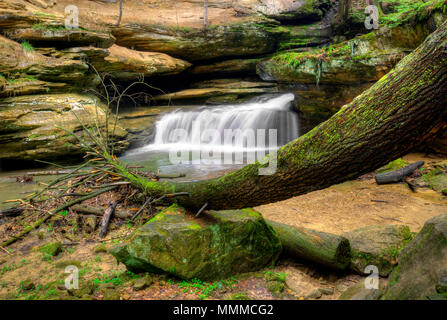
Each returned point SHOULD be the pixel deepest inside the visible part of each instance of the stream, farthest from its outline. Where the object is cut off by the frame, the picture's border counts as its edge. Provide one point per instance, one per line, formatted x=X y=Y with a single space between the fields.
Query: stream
x=200 y=143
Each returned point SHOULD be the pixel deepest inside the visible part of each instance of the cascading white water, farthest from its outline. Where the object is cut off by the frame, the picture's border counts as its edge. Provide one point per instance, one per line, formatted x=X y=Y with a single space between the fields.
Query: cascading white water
x=209 y=127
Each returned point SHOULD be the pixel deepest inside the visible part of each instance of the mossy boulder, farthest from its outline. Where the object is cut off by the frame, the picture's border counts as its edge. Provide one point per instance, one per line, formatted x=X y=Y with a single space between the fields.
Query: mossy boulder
x=220 y=244
x=422 y=264
x=51 y=249
x=378 y=246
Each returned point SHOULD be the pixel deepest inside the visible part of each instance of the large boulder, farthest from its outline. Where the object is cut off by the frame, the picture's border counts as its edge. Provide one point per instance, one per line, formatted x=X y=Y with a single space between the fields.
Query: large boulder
x=422 y=265
x=31 y=125
x=378 y=246
x=126 y=64
x=218 y=245
x=364 y=59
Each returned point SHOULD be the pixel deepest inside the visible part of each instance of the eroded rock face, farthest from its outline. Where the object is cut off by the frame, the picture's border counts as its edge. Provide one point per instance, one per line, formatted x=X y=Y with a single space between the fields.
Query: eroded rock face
x=283 y=10
x=422 y=264
x=28 y=72
x=126 y=64
x=241 y=39
x=30 y=125
x=378 y=246
x=219 y=245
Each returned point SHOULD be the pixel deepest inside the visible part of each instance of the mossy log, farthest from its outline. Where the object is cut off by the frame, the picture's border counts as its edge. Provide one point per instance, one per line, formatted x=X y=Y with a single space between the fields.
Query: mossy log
x=387 y=121
x=398 y=175
x=323 y=248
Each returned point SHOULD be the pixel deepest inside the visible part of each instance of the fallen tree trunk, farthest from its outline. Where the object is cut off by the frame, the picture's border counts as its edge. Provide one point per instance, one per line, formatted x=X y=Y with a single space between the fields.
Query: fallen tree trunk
x=398 y=175
x=11 y=212
x=324 y=248
x=385 y=122
x=106 y=218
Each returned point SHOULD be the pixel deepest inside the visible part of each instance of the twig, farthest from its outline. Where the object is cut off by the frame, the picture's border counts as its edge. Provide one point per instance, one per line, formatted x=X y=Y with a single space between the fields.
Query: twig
x=201 y=209
x=142 y=208
x=51 y=213
x=6 y=251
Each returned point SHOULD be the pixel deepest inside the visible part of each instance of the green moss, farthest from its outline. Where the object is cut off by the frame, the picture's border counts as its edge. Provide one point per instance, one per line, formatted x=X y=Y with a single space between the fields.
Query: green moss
x=51 y=249
x=393 y=165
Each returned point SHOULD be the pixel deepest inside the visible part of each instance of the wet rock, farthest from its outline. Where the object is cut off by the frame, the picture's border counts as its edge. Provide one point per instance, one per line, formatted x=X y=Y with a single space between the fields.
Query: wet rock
x=222 y=244
x=378 y=246
x=229 y=91
x=422 y=263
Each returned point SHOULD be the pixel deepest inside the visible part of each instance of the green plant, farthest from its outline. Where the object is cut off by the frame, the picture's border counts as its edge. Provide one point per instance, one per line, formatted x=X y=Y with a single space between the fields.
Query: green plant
x=27 y=47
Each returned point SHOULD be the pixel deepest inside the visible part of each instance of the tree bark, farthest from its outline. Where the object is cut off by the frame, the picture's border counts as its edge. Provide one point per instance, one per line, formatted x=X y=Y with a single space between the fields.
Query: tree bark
x=324 y=248
x=384 y=123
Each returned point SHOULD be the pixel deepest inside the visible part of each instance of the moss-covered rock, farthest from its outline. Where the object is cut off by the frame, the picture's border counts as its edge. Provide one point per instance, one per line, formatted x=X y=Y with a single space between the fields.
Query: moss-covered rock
x=378 y=246
x=220 y=244
x=51 y=249
x=422 y=264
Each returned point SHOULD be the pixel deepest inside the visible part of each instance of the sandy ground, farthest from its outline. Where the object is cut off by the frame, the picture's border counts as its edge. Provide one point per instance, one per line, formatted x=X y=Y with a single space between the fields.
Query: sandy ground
x=354 y=204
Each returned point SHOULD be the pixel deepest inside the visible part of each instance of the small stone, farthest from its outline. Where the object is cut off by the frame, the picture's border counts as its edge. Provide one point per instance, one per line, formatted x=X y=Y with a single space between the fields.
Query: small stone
x=340 y=287
x=327 y=291
x=107 y=285
x=142 y=283
x=28 y=284
x=316 y=294
x=111 y=294
x=441 y=287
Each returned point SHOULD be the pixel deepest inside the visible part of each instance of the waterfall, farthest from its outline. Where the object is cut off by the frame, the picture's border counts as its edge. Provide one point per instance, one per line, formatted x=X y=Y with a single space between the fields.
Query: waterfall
x=212 y=127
